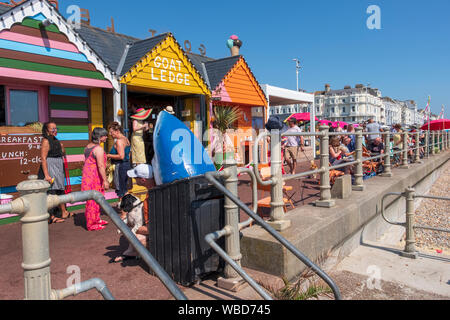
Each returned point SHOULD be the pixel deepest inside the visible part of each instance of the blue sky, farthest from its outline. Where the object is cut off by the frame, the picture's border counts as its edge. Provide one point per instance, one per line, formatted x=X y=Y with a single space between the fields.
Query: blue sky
x=407 y=59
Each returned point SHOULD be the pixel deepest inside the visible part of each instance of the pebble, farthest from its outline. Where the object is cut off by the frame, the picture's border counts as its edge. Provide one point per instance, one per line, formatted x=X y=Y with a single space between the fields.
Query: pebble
x=435 y=213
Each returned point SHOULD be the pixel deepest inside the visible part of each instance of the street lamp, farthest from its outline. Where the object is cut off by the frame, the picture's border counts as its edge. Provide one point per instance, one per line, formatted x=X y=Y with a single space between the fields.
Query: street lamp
x=298 y=67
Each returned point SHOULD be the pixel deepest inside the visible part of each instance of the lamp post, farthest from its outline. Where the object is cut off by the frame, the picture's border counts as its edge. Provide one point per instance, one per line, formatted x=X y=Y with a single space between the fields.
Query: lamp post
x=297 y=67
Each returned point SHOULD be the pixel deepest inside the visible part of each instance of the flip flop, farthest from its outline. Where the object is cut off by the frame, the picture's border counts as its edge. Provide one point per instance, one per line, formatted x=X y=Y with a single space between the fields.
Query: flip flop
x=55 y=220
x=122 y=258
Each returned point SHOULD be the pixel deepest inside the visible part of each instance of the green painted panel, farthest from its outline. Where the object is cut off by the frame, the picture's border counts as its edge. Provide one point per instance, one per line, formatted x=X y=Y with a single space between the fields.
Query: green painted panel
x=76 y=173
x=82 y=206
x=74 y=151
x=68 y=106
x=28 y=22
x=32 y=66
x=73 y=129
x=9 y=220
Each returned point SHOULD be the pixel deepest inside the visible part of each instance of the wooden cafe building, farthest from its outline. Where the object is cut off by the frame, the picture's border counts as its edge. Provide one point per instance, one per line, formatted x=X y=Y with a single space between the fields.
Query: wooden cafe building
x=47 y=72
x=87 y=77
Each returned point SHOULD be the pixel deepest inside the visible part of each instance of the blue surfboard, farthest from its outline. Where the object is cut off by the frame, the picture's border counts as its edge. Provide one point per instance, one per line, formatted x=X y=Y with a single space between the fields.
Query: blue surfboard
x=178 y=152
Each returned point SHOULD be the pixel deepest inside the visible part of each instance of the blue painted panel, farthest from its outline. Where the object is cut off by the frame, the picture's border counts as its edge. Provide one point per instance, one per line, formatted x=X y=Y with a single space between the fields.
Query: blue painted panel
x=69 y=92
x=8 y=190
x=73 y=136
x=39 y=17
x=75 y=181
x=44 y=51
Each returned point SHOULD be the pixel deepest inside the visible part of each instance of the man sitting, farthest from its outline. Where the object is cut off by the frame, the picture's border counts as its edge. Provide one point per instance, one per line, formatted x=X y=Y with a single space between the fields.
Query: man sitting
x=143 y=175
x=376 y=146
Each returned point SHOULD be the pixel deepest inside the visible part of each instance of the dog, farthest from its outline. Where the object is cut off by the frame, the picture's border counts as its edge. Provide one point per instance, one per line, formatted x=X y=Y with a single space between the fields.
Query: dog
x=313 y=167
x=133 y=207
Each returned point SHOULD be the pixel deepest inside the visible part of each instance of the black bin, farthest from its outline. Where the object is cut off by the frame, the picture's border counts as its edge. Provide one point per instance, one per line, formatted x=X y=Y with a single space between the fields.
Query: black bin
x=181 y=214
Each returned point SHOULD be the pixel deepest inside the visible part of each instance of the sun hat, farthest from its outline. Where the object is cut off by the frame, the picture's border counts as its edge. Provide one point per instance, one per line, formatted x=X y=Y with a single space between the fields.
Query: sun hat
x=141 y=114
x=144 y=171
x=169 y=109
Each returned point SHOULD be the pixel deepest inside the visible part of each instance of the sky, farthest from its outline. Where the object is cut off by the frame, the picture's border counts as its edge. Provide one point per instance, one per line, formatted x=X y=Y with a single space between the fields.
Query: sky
x=407 y=58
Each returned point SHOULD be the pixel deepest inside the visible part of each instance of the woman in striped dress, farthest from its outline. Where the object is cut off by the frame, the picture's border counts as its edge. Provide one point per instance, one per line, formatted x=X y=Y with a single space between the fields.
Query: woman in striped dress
x=52 y=168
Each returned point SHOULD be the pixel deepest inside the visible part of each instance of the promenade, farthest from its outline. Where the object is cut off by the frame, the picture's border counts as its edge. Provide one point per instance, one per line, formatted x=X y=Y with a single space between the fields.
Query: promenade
x=72 y=246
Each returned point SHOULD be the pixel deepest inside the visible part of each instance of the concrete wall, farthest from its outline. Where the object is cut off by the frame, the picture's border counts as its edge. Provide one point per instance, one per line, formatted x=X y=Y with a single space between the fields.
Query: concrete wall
x=319 y=231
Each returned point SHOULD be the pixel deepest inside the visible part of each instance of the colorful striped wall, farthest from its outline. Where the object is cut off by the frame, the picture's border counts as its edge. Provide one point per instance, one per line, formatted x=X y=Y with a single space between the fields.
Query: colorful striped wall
x=69 y=109
x=30 y=52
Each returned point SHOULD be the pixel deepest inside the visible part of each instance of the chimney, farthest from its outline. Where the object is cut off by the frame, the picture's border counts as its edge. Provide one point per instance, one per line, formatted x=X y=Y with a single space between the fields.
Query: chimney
x=347 y=87
x=327 y=88
x=234 y=44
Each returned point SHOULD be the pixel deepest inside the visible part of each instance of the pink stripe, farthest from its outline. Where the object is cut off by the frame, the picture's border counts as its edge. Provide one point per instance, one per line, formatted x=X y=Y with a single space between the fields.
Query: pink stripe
x=69 y=114
x=108 y=196
x=50 y=78
x=75 y=158
x=224 y=96
x=17 y=37
x=4 y=216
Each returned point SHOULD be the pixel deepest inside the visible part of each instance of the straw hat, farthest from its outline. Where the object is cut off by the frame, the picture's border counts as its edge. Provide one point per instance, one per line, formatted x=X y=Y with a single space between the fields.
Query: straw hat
x=169 y=109
x=141 y=114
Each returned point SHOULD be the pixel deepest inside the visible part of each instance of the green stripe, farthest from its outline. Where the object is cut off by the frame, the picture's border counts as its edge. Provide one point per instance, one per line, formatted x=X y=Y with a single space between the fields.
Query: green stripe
x=74 y=151
x=9 y=220
x=68 y=106
x=75 y=173
x=82 y=206
x=73 y=129
x=32 y=66
x=28 y=22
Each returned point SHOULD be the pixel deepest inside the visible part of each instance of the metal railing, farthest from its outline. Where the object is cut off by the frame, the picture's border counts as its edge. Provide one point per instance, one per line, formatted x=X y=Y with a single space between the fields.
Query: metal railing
x=435 y=142
x=33 y=205
x=231 y=254
x=410 y=195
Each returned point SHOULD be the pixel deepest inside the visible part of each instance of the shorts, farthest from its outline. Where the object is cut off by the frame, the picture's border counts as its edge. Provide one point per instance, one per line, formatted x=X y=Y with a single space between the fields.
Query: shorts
x=291 y=153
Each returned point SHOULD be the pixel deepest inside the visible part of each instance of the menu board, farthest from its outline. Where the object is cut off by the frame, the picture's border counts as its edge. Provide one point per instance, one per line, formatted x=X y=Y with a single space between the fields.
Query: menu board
x=20 y=156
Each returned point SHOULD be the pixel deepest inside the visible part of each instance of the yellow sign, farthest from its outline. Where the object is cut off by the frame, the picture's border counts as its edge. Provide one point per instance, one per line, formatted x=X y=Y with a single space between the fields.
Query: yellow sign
x=166 y=69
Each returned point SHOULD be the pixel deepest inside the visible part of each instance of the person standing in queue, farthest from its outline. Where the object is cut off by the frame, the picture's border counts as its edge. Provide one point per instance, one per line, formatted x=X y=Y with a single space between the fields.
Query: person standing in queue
x=52 y=169
x=94 y=177
x=120 y=157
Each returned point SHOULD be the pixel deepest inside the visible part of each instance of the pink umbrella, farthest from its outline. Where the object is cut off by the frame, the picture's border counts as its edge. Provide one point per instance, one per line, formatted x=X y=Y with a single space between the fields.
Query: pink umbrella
x=435 y=125
x=341 y=124
x=301 y=116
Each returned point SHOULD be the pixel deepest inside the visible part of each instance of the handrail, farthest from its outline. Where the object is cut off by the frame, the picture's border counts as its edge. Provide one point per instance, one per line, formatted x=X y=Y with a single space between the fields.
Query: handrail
x=250 y=172
x=210 y=176
x=410 y=195
x=128 y=234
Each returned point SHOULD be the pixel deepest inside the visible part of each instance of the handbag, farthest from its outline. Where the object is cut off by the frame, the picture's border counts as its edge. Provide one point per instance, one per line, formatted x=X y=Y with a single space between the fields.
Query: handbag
x=68 y=187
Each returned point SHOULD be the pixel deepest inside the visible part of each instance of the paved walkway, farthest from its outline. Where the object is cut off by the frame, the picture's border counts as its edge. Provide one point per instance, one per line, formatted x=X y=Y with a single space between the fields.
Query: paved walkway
x=357 y=276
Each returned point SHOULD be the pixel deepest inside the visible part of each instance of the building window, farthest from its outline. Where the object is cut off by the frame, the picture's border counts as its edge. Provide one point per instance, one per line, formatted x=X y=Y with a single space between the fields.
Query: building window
x=24 y=107
x=353 y=109
x=332 y=109
x=343 y=109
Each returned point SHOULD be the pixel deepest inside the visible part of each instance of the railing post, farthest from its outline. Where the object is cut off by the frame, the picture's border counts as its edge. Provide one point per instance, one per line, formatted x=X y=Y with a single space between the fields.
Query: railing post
x=438 y=143
x=405 y=152
x=325 y=188
x=231 y=280
x=410 y=249
x=387 y=172
x=433 y=141
x=417 y=159
x=35 y=239
x=277 y=220
x=427 y=144
x=359 y=182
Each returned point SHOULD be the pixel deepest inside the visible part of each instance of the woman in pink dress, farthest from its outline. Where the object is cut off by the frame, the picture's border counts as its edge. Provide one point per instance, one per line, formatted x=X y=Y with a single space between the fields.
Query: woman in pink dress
x=94 y=177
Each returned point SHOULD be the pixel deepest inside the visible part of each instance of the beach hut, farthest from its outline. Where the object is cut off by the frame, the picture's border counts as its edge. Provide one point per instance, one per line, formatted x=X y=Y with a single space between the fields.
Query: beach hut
x=47 y=72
